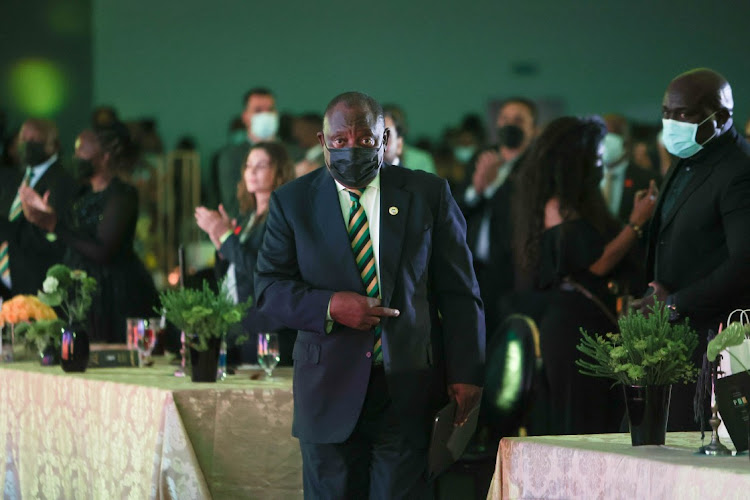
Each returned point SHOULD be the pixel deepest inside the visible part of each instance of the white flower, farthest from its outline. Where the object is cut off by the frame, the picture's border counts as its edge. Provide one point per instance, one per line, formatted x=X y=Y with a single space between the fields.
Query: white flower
x=50 y=285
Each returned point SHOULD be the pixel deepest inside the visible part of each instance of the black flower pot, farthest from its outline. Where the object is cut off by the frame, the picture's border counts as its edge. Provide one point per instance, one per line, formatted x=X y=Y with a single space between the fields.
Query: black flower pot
x=205 y=363
x=50 y=355
x=648 y=411
x=74 y=352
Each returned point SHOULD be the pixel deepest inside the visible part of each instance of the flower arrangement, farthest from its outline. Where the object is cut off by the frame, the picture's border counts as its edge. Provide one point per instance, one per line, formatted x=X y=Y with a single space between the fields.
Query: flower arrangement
x=202 y=313
x=70 y=289
x=35 y=321
x=24 y=308
x=649 y=350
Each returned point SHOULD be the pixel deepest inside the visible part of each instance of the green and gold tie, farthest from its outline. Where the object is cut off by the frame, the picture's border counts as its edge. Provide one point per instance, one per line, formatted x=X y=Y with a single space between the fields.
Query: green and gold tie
x=359 y=235
x=13 y=214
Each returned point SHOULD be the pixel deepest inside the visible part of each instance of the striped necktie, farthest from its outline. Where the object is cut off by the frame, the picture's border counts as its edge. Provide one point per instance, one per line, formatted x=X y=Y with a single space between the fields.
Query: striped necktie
x=359 y=235
x=13 y=214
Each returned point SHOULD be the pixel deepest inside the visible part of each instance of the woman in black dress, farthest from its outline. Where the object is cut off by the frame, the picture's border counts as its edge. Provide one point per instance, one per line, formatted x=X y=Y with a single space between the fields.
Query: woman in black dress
x=569 y=248
x=98 y=232
x=267 y=167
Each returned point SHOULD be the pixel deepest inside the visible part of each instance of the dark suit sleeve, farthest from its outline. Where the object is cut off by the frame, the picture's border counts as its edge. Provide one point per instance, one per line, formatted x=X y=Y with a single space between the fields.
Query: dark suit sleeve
x=715 y=290
x=280 y=291
x=455 y=289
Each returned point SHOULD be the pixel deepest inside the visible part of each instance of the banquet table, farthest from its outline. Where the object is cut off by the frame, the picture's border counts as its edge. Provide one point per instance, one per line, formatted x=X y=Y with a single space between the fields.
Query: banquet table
x=144 y=433
x=606 y=466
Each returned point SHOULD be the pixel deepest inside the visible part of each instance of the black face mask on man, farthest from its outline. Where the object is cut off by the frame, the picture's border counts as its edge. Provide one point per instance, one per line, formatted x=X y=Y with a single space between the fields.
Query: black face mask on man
x=510 y=136
x=32 y=153
x=354 y=167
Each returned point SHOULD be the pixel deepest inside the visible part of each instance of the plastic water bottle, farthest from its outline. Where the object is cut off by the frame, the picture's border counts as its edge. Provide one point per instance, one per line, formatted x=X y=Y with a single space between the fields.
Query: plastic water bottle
x=221 y=371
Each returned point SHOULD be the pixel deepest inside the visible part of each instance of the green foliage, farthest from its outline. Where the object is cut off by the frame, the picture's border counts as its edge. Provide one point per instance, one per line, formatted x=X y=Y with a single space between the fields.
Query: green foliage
x=733 y=335
x=647 y=351
x=41 y=333
x=202 y=314
x=71 y=290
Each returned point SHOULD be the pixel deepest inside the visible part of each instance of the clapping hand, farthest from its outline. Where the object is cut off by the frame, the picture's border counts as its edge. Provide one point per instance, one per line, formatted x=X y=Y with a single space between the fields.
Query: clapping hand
x=214 y=222
x=37 y=209
x=656 y=292
x=485 y=172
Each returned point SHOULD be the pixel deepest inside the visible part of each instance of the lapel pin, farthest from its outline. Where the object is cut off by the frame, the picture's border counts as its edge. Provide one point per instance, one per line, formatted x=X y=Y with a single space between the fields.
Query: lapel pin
x=393 y=211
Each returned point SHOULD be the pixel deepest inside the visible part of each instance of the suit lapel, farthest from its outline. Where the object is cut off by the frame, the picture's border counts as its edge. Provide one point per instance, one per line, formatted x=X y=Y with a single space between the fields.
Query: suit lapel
x=330 y=222
x=394 y=213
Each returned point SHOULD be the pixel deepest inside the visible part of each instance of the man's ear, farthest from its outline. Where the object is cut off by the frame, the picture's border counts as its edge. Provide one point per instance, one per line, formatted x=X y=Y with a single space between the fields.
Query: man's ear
x=386 y=137
x=722 y=117
x=321 y=139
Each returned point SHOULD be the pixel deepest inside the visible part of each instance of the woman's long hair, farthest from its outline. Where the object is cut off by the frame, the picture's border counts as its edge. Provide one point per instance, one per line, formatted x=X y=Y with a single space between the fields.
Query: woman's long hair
x=115 y=140
x=283 y=172
x=562 y=163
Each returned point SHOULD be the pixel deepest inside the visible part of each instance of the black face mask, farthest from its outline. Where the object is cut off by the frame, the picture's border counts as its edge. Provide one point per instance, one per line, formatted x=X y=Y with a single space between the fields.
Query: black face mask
x=84 y=169
x=32 y=153
x=354 y=167
x=510 y=136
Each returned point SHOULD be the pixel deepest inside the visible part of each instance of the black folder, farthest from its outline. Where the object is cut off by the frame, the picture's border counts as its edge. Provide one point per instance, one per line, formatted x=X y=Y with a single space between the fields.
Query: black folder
x=732 y=396
x=448 y=442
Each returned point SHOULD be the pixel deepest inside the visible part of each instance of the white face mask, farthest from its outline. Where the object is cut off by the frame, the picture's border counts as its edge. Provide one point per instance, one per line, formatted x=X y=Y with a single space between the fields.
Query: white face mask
x=614 y=148
x=679 y=137
x=264 y=125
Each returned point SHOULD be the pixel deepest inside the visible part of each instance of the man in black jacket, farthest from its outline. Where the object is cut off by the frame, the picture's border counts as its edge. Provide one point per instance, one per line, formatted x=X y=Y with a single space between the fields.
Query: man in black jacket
x=699 y=243
x=26 y=252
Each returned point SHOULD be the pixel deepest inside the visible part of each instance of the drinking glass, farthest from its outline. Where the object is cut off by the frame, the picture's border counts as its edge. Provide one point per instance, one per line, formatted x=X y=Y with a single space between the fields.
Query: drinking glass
x=145 y=332
x=268 y=352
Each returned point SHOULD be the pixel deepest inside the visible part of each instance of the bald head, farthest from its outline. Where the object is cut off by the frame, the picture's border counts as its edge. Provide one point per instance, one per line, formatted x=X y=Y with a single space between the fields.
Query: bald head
x=700 y=96
x=355 y=100
x=707 y=87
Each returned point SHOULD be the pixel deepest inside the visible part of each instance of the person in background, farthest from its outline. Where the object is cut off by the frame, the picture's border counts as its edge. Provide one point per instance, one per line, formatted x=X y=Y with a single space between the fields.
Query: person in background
x=568 y=245
x=486 y=204
x=305 y=132
x=266 y=168
x=410 y=156
x=25 y=251
x=261 y=123
x=98 y=231
x=699 y=243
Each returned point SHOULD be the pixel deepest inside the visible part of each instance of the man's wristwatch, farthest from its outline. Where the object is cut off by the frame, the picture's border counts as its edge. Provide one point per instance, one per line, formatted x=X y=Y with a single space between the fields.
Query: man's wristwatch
x=674 y=315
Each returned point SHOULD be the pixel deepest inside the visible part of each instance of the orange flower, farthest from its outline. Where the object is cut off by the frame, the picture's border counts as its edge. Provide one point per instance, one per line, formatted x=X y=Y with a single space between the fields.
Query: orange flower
x=25 y=308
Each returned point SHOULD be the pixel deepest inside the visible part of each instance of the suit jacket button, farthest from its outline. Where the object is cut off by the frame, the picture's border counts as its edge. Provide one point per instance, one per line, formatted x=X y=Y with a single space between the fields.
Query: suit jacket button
x=369 y=355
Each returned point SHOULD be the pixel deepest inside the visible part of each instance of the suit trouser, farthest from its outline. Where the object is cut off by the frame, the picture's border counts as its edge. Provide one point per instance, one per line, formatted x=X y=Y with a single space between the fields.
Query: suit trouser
x=377 y=461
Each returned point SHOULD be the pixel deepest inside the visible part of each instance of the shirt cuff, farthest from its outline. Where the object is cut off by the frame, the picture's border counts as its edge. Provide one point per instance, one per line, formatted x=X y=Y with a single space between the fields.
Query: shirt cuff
x=329 y=319
x=224 y=237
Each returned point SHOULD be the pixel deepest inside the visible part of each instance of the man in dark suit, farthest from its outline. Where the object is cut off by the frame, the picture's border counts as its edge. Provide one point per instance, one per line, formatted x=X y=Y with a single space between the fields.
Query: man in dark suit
x=486 y=203
x=26 y=252
x=386 y=336
x=699 y=243
x=262 y=122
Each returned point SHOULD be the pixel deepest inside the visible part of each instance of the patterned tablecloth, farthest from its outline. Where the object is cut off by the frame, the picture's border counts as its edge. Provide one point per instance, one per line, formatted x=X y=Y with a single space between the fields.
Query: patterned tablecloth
x=143 y=433
x=606 y=466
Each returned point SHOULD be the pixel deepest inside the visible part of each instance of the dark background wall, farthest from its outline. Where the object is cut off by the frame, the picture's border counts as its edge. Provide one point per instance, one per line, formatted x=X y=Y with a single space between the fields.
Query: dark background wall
x=187 y=63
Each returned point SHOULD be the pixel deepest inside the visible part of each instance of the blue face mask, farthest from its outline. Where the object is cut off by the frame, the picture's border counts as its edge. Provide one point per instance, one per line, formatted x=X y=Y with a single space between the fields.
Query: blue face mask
x=679 y=137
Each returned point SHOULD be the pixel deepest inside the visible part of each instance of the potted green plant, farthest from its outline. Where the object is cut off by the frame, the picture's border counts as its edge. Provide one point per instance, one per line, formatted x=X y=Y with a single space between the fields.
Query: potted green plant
x=204 y=316
x=71 y=290
x=647 y=356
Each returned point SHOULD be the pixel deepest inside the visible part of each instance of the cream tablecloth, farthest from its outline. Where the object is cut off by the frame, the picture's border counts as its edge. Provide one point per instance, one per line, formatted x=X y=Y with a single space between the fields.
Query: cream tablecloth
x=606 y=466
x=142 y=433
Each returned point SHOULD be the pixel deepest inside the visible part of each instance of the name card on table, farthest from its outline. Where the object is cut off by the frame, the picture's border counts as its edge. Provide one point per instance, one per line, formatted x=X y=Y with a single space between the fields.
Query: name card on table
x=111 y=357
